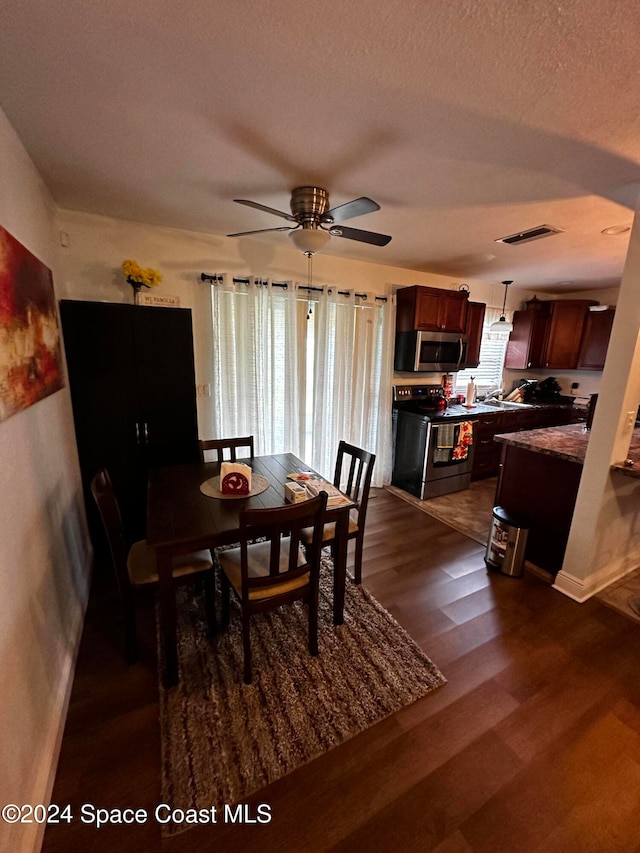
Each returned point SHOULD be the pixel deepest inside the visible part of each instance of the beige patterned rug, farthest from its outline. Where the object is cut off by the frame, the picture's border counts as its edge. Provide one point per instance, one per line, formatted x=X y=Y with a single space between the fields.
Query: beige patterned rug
x=222 y=740
x=468 y=511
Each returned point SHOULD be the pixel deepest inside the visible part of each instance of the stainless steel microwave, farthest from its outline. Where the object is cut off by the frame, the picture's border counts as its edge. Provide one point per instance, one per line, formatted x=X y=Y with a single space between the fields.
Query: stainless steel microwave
x=430 y=351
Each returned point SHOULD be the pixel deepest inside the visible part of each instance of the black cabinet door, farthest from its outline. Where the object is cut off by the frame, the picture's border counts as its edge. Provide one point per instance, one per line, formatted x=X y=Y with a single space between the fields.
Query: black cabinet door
x=165 y=373
x=132 y=382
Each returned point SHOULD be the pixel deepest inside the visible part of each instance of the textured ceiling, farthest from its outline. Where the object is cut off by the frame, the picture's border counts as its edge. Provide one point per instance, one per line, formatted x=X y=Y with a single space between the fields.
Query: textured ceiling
x=467 y=121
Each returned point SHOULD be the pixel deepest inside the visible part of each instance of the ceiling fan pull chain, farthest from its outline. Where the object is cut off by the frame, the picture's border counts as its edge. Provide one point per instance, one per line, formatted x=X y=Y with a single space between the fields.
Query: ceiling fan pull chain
x=309 y=279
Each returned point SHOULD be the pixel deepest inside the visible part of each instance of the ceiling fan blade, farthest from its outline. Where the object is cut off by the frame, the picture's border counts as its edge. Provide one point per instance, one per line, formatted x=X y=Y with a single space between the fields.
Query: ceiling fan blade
x=357 y=207
x=362 y=236
x=266 y=209
x=259 y=231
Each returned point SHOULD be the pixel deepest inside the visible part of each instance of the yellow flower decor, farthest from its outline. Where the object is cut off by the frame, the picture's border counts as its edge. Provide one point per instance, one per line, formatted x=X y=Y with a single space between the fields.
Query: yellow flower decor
x=139 y=277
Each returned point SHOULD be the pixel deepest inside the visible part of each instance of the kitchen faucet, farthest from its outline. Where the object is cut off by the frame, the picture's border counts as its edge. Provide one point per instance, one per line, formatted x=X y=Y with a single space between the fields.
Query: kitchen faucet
x=495 y=394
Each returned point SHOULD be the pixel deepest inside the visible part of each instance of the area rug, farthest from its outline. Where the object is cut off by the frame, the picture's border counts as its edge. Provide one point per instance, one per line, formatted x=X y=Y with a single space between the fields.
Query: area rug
x=222 y=740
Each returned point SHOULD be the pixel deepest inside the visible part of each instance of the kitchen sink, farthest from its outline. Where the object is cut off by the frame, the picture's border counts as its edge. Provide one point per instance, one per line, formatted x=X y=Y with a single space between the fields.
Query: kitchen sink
x=504 y=404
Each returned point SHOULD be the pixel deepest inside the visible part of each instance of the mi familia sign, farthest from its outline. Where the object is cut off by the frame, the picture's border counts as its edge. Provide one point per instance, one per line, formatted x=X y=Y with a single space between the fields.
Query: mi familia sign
x=159 y=300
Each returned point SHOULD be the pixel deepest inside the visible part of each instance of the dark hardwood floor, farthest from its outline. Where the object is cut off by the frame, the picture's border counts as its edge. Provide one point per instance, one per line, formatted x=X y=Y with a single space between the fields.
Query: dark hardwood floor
x=532 y=745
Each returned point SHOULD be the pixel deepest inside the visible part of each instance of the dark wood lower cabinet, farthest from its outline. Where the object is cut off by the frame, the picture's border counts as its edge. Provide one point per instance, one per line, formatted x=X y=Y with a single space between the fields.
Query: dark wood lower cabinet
x=486 y=460
x=543 y=488
x=132 y=382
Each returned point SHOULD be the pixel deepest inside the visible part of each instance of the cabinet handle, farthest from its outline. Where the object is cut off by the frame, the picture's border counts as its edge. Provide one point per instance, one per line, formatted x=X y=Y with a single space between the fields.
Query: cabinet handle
x=146 y=433
x=528 y=364
x=137 y=433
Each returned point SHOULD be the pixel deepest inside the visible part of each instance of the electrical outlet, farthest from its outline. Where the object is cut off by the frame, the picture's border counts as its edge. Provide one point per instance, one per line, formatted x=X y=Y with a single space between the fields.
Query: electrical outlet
x=630 y=420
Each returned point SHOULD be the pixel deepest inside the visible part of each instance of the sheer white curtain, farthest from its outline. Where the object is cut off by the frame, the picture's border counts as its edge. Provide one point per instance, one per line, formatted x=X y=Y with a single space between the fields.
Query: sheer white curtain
x=259 y=365
x=301 y=385
x=353 y=355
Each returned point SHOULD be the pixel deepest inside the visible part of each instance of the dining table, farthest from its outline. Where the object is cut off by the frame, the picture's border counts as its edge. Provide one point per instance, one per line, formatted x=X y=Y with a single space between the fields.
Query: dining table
x=181 y=518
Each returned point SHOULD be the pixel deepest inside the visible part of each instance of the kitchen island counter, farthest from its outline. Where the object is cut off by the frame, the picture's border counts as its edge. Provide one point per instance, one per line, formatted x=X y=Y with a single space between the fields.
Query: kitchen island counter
x=539 y=478
x=570 y=443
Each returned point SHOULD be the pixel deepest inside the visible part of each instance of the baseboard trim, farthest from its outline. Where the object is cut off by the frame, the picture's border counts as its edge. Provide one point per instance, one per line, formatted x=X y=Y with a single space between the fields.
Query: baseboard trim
x=582 y=589
x=32 y=835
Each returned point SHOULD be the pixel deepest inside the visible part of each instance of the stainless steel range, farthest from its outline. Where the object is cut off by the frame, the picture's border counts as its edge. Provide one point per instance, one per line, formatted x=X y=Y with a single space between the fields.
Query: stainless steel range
x=433 y=443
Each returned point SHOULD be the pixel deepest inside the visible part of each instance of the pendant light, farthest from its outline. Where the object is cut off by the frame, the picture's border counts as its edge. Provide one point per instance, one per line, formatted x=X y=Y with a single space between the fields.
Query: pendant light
x=503 y=325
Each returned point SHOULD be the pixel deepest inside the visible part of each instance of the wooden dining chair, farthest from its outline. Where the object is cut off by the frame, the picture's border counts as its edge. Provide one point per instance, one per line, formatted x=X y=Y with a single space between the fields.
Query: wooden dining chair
x=135 y=566
x=219 y=445
x=277 y=570
x=354 y=469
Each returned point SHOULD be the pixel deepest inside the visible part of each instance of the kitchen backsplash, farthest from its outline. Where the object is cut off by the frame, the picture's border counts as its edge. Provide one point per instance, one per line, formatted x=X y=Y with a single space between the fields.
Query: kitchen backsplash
x=588 y=380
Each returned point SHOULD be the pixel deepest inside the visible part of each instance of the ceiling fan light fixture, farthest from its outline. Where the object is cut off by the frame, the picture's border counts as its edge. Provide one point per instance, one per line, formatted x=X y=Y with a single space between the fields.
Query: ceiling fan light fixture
x=502 y=324
x=309 y=239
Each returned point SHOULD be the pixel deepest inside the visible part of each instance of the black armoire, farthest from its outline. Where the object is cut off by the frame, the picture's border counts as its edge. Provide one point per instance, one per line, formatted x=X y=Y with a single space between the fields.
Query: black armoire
x=132 y=381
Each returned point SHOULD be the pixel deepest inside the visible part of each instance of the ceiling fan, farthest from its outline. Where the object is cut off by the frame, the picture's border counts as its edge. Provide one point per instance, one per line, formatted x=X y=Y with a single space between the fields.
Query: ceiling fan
x=313 y=222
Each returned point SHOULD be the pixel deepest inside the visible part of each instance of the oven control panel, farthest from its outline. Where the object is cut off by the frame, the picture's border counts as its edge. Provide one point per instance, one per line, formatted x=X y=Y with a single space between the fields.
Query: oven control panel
x=415 y=392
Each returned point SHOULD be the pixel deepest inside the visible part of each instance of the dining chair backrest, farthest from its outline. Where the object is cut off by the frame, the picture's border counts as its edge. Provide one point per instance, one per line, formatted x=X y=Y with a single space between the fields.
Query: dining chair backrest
x=282 y=525
x=107 y=503
x=219 y=445
x=354 y=470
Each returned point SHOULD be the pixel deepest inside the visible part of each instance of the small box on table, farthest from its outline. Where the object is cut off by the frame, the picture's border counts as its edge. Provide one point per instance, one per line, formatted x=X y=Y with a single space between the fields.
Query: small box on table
x=294 y=493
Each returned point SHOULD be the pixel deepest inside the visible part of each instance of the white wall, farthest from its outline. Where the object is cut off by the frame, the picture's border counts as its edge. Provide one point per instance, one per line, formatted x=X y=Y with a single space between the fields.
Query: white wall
x=44 y=550
x=90 y=268
x=98 y=245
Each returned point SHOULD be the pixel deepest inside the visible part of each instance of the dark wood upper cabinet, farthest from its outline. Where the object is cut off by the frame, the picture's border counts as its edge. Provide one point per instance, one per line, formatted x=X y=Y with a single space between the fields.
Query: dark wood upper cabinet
x=473 y=329
x=595 y=340
x=568 y=317
x=548 y=334
x=431 y=309
x=525 y=348
x=132 y=383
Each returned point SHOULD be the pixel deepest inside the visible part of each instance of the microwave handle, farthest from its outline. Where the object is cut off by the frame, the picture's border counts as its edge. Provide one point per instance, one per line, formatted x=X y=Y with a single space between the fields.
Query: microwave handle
x=461 y=351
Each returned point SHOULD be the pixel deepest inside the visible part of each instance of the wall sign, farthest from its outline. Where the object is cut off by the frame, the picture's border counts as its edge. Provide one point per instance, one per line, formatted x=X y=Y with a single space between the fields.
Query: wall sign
x=30 y=349
x=160 y=300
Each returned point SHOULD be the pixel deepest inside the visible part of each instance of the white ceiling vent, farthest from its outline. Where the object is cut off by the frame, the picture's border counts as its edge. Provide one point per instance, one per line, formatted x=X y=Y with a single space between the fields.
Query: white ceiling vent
x=531 y=234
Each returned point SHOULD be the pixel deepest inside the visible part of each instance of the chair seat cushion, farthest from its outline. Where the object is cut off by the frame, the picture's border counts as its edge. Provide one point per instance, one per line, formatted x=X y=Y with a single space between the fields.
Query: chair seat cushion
x=329 y=530
x=258 y=555
x=141 y=564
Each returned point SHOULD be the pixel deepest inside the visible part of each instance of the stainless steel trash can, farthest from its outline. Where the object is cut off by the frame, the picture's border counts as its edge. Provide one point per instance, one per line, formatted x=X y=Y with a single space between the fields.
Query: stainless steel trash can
x=507 y=543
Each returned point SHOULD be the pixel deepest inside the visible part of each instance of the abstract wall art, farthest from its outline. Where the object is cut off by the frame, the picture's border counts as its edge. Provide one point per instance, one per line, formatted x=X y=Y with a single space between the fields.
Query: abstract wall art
x=30 y=348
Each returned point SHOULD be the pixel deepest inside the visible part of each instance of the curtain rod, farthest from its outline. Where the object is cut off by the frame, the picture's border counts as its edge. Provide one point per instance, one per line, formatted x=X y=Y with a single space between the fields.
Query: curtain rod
x=217 y=278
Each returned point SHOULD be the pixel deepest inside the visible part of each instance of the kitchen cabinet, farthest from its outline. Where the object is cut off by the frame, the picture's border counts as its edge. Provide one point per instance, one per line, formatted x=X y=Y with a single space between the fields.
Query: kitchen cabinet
x=543 y=488
x=486 y=460
x=595 y=339
x=431 y=309
x=132 y=383
x=566 y=325
x=547 y=334
x=473 y=329
x=486 y=457
x=525 y=348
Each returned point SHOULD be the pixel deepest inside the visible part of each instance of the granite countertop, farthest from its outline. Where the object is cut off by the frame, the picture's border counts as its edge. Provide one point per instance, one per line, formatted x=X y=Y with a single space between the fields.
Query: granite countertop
x=568 y=442
x=457 y=410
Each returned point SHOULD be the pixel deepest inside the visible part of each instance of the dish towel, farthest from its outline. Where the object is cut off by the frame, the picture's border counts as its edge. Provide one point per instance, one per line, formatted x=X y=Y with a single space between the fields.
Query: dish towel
x=445 y=435
x=465 y=440
x=444 y=442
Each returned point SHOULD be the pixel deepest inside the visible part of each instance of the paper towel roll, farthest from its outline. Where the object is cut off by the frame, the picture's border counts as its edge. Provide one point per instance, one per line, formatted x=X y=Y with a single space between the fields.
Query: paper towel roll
x=471 y=393
x=235 y=478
